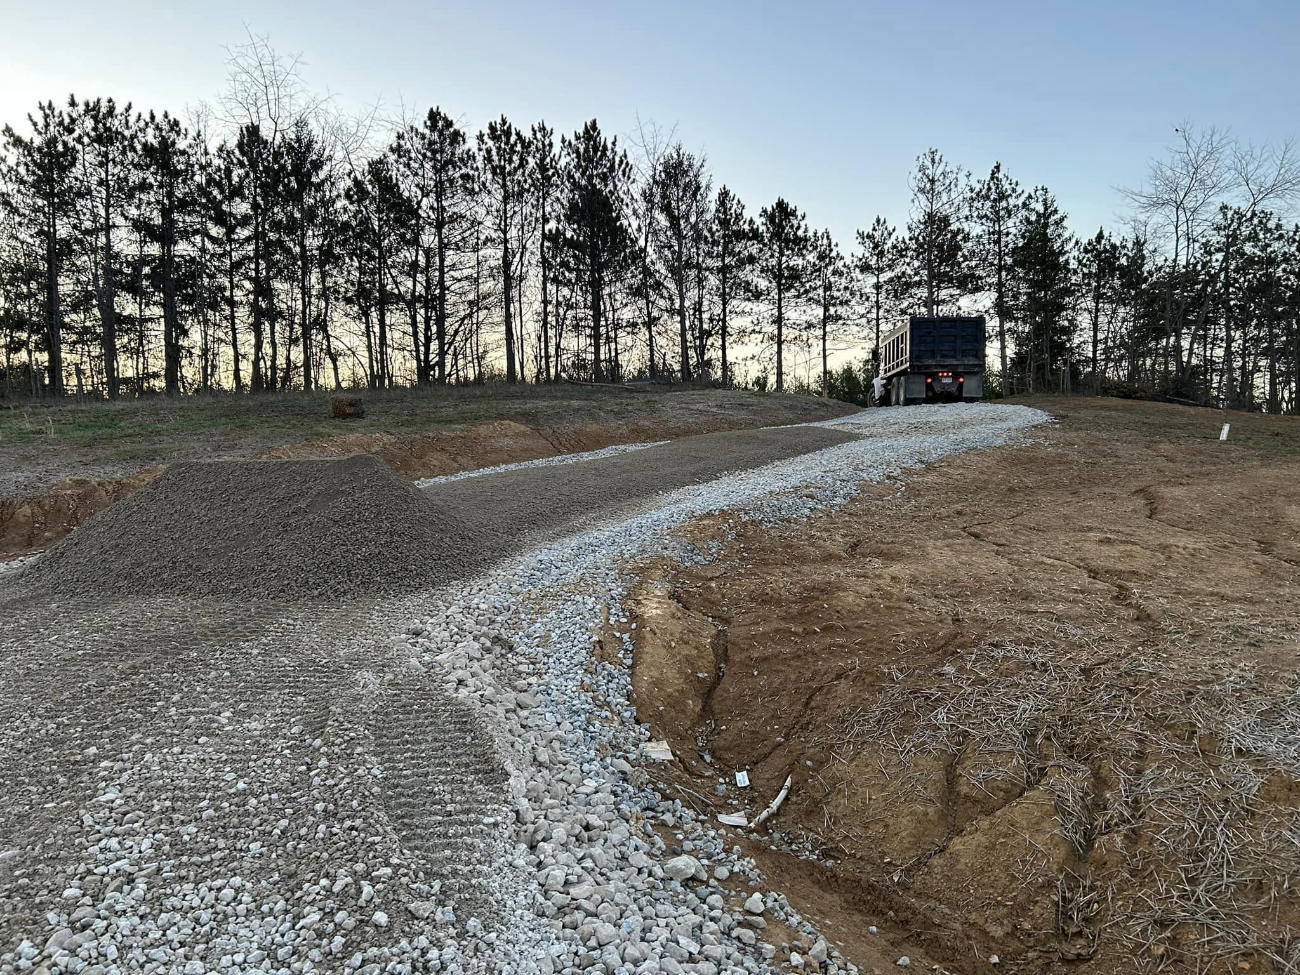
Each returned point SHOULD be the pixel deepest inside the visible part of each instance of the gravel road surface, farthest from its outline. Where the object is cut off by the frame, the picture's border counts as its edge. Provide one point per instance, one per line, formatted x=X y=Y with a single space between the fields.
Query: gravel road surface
x=431 y=775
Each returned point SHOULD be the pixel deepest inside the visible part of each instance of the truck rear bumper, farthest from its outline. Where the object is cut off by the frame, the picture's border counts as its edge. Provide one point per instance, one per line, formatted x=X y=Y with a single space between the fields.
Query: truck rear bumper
x=935 y=387
x=949 y=387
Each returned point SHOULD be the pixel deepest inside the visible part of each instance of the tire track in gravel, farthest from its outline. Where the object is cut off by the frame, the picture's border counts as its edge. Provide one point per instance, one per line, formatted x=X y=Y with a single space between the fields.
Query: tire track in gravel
x=266 y=745
x=227 y=761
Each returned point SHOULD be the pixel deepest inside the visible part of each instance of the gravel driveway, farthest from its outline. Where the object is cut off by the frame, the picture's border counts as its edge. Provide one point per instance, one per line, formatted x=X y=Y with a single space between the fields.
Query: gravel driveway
x=437 y=779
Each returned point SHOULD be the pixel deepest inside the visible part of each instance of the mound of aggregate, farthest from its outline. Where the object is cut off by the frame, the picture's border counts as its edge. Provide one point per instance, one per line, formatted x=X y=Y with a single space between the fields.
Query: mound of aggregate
x=285 y=529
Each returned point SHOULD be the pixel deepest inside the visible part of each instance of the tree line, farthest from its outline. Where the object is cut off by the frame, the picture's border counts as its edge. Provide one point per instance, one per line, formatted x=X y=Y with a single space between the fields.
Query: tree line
x=1197 y=299
x=270 y=243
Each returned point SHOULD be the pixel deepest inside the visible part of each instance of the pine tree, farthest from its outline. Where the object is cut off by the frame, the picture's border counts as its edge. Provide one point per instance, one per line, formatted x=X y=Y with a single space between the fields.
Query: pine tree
x=1098 y=264
x=650 y=287
x=301 y=225
x=731 y=241
x=1040 y=260
x=829 y=273
x=252 y=156
x=109 y=176
x=592 y=237
x=503 y=151
x=167 y=168
x=878 y=265
x=782 y=267
x=226 y=224
x=681 y=215
x=39 y=173
x=996 y=203
x=545 y=178
x=937 y=238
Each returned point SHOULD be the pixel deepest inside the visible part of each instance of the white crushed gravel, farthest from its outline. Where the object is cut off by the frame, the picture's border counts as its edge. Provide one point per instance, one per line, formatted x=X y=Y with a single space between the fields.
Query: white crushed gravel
x=541 y=462
x=590 y=867
x=12 y=565
x=572 y=853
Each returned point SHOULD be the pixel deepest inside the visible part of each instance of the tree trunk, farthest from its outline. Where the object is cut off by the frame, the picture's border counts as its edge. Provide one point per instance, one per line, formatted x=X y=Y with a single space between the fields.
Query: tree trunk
x=108 y=297
x=724 y=299
x=685 y=350
x=1002 y=309
x=546 y=321
x=381 y=314
x=304 y=298
x=413 y=311
x=780 y=324
x=234 y=324
x=597 y=301
x=327 y=340
x=826 y=387
x=53 y=324
x=171 y=317
x=440 y=297
x=701 y=339
x=875 y=349
x=259 y=311
x=507 y=304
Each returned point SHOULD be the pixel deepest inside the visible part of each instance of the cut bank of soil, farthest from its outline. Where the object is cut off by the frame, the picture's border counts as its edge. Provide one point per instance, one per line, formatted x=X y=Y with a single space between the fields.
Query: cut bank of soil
x=1041 y=704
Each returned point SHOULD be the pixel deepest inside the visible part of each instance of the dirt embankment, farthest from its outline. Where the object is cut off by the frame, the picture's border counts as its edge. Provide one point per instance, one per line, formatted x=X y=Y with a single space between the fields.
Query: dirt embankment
x=34 y=520
x=1039 y=705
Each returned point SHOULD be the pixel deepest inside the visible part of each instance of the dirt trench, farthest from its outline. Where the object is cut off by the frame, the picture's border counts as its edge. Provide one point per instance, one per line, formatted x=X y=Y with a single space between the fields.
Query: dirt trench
x=1037 y=705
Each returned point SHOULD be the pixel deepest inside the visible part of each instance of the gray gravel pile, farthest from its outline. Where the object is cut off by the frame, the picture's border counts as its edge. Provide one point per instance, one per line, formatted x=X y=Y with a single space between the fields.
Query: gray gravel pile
x=262 y=530
x=190 y=788
x=315 y=529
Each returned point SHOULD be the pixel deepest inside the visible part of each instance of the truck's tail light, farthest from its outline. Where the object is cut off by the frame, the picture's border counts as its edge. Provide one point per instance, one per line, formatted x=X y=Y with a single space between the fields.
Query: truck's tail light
x=928 y=379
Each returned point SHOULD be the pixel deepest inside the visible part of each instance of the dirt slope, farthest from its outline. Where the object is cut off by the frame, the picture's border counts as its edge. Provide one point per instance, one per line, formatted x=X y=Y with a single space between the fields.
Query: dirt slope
x=1041 y=704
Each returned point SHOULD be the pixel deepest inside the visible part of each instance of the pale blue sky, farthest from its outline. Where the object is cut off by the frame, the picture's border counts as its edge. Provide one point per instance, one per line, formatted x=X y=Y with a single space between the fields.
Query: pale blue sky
x=826 y=103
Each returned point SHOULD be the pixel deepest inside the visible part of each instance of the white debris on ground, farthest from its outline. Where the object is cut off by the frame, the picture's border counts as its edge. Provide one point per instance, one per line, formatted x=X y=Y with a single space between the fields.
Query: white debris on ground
x=12 y=565
x=575 y=864
x=625 y=881
x=622 y=448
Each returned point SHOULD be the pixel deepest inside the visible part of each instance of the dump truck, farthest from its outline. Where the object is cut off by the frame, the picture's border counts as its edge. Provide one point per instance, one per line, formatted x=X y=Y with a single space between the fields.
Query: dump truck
x=932 y=360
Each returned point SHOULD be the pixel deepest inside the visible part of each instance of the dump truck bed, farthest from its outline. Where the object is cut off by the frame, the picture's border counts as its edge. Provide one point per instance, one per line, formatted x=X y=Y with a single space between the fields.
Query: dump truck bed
x=954 y=344
x=933 y=360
